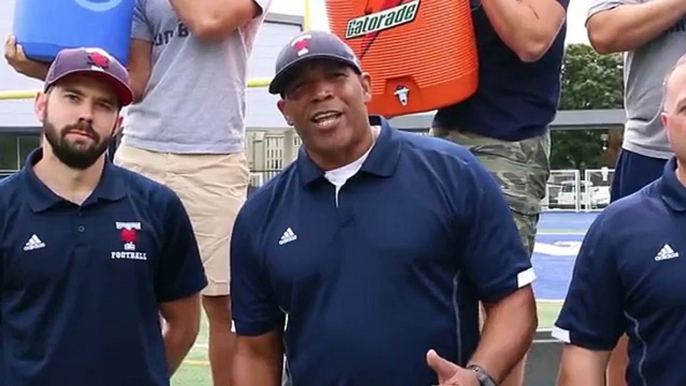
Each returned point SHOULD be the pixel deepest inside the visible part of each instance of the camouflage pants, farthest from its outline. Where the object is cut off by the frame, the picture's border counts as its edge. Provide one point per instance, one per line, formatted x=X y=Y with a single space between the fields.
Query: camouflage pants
x=521 y=169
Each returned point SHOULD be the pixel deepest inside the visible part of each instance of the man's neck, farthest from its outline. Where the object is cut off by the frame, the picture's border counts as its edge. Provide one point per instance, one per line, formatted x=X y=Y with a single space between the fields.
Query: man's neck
x=331 y=162
x=71 y=184
x=681 y=173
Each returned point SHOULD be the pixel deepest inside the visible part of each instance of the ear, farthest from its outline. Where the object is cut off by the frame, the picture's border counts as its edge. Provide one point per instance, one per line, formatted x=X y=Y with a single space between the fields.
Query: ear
x=366 y=81
x=281 y=105
x=118 y=126
x=40 y=105
x=665 y=124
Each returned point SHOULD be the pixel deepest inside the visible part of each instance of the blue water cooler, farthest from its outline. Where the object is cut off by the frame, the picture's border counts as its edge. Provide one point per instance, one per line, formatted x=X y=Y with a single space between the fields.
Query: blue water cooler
x=44 y=27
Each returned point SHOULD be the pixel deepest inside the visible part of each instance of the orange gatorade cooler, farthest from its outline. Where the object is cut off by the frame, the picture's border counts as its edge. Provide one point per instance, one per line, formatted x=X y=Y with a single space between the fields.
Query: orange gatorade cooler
x=421 y=54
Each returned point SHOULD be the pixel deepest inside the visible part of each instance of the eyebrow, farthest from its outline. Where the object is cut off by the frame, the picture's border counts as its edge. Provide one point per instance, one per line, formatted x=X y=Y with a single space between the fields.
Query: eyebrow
x=108 y=100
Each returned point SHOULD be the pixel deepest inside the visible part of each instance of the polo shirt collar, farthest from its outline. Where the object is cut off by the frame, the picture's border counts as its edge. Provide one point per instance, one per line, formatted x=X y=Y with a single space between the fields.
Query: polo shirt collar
x=40 y=197
x=673 y=191
x=382 y=160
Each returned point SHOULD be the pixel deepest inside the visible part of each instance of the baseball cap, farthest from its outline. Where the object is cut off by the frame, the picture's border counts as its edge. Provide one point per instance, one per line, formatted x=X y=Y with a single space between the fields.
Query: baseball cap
x=91 y=61
x=310 y=45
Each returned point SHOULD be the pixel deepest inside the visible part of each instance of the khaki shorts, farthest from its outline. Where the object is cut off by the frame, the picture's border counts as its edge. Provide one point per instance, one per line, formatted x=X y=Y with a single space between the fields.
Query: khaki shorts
x=521 y=168
x=212 y=187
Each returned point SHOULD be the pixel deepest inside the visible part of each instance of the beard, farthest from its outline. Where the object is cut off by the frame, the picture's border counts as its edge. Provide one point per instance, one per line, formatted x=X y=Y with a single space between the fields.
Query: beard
x=76 y=154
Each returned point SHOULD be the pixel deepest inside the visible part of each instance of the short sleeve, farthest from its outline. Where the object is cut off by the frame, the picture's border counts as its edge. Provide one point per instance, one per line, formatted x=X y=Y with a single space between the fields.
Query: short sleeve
x=264 y=5
x=495 y=258
x=595 y=6
x=564 y=3
x=140 y=27
x=180 y=272
x=592 y=316
x=254 y=307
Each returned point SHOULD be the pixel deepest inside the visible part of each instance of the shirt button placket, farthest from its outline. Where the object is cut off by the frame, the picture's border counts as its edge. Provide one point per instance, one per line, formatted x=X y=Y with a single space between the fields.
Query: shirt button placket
x=80 y=233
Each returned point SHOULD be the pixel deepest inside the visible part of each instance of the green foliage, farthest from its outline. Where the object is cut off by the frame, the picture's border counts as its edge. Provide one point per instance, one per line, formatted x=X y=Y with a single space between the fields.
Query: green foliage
x=589 y=81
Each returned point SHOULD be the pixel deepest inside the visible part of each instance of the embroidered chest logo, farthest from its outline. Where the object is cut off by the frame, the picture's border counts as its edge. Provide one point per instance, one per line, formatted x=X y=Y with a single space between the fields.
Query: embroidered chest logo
x=128 y=233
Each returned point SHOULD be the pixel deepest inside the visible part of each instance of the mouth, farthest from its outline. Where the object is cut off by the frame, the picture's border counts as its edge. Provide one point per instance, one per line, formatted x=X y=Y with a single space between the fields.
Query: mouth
x=326 y=119
x=81 y=134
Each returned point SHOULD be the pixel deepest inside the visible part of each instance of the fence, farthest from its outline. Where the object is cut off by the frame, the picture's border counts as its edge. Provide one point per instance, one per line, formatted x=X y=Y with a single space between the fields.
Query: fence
x=270 y=151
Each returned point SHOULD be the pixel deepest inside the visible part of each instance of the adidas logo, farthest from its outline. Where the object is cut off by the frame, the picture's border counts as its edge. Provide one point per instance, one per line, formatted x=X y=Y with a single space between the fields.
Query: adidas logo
x=34 y=243
x=666 y=253
x=287 y=237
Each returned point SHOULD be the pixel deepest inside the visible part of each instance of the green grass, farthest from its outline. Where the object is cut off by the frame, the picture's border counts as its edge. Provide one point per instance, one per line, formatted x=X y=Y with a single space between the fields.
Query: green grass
x=196 y=369
x=547 y=313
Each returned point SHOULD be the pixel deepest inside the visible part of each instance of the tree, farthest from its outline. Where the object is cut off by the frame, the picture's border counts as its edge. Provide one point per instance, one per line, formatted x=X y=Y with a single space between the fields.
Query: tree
x=589 y=81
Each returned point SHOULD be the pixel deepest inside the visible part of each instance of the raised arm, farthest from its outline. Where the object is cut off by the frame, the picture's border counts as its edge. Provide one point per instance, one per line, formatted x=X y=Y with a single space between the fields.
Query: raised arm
x=618 y=26
x=527 y=27
x=216 y=19
x=16 y=58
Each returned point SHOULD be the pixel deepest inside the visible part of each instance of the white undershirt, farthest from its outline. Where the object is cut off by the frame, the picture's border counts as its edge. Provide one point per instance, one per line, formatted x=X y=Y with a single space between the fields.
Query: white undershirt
x=338 y=177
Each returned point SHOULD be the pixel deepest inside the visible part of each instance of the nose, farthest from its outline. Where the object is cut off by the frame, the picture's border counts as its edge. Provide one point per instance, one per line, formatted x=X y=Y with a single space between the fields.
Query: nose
x=322 y=90
x=86 y=112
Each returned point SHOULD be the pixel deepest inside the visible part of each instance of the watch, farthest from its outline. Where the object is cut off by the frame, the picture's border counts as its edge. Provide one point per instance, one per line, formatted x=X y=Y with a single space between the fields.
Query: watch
x=482 y=375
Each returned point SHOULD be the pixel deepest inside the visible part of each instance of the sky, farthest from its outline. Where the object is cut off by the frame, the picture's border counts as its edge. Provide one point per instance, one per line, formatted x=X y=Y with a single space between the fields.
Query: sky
x=576 y=13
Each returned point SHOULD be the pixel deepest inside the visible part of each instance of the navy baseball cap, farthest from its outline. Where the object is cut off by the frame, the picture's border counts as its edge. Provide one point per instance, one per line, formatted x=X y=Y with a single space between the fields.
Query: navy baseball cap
x=310 y=45
x=95 y=62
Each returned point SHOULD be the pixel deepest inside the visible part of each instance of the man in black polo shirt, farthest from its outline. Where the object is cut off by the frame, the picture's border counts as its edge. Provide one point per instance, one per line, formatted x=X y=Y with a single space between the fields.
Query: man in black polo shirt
x=629 y=275
x=376 y=244
x=90 y=253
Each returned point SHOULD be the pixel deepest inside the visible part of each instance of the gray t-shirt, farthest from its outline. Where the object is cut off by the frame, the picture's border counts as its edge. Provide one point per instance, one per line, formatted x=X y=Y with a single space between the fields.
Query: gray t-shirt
x=644 y=71
x=195 y=99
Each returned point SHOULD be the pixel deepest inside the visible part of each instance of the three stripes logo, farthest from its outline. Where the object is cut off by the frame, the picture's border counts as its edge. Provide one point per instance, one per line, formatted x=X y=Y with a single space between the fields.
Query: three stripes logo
x=287 y=237
x=33 y=243
x=666 y=253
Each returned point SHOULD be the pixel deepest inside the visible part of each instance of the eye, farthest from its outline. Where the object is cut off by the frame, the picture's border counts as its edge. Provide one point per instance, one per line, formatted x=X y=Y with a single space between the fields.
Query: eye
x=106 y=106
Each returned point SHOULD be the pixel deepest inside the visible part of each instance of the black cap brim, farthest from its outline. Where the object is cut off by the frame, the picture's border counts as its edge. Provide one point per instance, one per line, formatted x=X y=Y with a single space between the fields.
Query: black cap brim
x=283 y=78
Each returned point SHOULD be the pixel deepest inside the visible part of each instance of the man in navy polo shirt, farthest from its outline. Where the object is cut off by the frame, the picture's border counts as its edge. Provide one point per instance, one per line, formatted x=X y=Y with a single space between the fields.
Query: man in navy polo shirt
x=629 y=275
x=92 y=253
x=377 y=246
x=505 y=123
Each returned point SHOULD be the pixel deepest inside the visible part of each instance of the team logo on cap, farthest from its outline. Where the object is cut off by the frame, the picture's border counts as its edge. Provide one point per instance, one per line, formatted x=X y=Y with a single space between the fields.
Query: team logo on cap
x=301 y=44
x=98 y=59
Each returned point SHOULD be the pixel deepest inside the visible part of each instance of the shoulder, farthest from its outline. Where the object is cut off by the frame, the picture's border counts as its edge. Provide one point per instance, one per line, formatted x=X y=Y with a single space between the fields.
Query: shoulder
x=444 y=159
x=11 y=188
x=434 y=149
x=10 y=184
x=266 y=199
x=10 y=194
x=631 y=215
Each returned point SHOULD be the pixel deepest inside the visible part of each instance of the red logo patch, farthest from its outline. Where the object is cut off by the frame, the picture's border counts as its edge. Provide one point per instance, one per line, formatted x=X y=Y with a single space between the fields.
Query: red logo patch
x=98 y=59
x=302 y=44
x=129 y=235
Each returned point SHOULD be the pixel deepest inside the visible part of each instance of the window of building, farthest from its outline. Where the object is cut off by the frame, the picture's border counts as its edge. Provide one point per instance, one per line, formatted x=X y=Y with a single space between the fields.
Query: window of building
x=13 y=151
x=27 y=143
x=8 y=153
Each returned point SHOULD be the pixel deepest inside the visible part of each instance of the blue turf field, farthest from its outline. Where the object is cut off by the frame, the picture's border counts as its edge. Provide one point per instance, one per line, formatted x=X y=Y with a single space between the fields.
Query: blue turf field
x=557 y=244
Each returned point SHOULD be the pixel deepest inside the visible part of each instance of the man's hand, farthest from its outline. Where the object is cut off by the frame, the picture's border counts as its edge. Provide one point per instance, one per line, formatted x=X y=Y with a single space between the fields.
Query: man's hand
x=450 y=374
x=15 y=57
